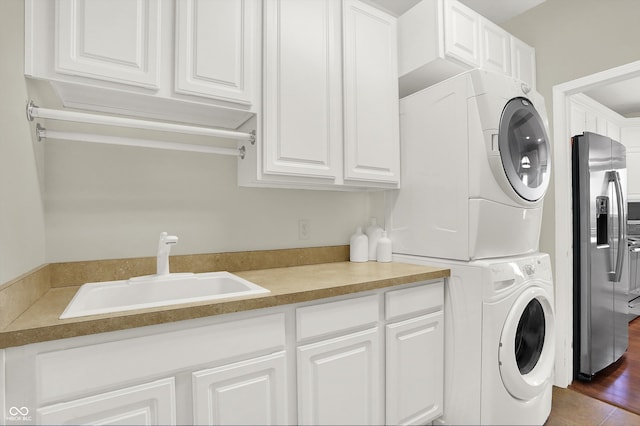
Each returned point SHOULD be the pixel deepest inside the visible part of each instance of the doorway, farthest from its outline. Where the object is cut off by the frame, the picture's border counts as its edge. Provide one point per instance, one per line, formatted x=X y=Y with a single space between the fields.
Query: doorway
x=563 y=244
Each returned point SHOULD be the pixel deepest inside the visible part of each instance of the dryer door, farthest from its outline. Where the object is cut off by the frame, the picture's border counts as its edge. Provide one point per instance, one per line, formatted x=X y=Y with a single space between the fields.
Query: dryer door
x=527 y=345
x=524 y=149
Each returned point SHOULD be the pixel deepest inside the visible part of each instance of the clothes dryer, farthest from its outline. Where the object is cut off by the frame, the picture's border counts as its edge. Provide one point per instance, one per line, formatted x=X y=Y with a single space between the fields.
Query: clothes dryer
x=499 y=328
x=475 y=167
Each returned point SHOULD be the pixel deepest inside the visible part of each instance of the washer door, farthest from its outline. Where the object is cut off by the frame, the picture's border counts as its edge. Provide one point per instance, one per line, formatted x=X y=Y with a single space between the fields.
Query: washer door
x=524 y=149
x=527 y=345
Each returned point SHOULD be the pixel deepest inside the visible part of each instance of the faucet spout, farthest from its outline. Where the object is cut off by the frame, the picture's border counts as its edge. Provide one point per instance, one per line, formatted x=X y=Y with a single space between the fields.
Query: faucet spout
x=164 y=248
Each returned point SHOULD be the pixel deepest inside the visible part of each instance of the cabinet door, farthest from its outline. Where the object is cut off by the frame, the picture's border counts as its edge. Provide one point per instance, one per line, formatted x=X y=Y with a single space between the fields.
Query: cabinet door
x=147 y=404
x=216 y=42
x=222 y=395
x=112 y=40
x=302 y=110
x=495 y=48
x=523 y=62
x=415 y=370
x=372 y=135
x=339 y=380
x=461 y=33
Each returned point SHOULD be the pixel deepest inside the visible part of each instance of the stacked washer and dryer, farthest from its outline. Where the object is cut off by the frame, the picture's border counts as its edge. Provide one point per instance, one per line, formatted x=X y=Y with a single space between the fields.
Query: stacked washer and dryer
x=475 y=168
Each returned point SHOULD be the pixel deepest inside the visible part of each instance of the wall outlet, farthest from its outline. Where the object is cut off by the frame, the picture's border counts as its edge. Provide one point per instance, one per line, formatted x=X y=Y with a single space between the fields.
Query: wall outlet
x=303 y=229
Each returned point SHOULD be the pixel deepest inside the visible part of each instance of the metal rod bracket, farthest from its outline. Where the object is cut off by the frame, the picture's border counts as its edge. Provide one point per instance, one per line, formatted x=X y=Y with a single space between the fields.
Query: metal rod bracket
x=30 y=107
x=40 y=132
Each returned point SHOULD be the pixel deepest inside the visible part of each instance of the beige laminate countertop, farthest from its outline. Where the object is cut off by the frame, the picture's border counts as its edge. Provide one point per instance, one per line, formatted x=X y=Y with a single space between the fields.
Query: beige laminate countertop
x=287 y=285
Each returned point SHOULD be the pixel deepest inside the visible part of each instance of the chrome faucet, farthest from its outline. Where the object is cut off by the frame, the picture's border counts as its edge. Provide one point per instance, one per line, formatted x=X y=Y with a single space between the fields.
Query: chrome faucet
x=164 y=248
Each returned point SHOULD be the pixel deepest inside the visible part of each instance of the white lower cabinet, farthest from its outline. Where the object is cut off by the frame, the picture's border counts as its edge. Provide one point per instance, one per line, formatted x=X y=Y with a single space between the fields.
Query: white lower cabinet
x=374 y=358
x=147 y=404
x=339 y=380
x=414 y=373
x=414 y=354
x=251 y=392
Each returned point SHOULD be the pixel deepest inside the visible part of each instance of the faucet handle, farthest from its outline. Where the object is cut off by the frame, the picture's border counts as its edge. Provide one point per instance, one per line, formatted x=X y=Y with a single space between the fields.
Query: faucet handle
x=167 y=239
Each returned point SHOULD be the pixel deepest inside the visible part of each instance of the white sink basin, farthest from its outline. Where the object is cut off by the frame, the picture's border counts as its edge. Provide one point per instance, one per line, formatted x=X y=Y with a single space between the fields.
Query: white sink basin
x=153 y=290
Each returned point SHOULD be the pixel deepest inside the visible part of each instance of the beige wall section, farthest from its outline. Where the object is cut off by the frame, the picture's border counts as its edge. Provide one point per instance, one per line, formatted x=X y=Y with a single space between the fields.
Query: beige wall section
x=22 y=235
x=111 y=201
x=575 y=38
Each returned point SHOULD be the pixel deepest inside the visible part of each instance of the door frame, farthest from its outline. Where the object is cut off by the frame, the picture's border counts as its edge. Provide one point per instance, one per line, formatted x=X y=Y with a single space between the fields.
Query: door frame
x=563 y=220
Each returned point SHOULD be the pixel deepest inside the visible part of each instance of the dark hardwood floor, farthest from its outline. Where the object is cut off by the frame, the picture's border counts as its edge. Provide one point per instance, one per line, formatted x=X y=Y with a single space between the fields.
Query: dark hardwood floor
x=618 y=384
x=571 y=408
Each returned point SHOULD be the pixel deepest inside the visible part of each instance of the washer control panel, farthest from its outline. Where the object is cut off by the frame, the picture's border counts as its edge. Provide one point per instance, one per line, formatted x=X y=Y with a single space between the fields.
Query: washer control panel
x=509 y=274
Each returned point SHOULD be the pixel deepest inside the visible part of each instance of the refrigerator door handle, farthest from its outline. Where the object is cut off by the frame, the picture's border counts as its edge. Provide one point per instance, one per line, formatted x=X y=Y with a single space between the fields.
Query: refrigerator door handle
x=615 y=178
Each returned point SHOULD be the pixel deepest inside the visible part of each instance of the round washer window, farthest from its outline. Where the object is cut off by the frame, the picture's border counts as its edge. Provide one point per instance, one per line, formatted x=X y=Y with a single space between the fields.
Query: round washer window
x=524 y=149
x=530 y=337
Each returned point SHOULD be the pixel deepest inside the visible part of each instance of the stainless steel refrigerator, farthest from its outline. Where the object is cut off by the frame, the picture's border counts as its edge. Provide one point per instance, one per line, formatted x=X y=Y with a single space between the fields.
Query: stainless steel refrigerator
x=600 y=255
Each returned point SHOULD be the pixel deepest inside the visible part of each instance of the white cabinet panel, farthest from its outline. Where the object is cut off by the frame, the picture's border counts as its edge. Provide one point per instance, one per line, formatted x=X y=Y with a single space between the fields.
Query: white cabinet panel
x=302 y=123
x=372 y=136
x=633 y=173
x=523 y=62
x=114 y=40
x=613 y=131
x=147 y=404
x=415 y=370
x=414 y=300
x=66 y=373
x=339 y=380
x=578 y=119
x=251 y=392
x=215 y=42
x=495 y=45
x=461 y=26
x=336 y=317
x=3 y=385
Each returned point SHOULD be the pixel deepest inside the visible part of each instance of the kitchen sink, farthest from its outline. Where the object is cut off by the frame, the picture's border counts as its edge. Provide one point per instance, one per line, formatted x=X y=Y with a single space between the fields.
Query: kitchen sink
x=157 y=290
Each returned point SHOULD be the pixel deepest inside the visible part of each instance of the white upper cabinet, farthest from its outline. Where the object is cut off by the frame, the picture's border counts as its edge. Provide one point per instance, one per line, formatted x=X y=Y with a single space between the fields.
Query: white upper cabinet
x=330 y=99
x=302 y=114
x=495 y=47
x=215 y=48
x=461 y=26
x=438 y=39
x=180 y=60
x=523 y=61
x=372 y=138
x=111 y=40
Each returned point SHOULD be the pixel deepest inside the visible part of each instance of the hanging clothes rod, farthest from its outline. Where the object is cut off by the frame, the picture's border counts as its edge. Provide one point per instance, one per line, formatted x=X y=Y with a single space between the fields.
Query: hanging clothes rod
x=43 y=133
x=34 y=111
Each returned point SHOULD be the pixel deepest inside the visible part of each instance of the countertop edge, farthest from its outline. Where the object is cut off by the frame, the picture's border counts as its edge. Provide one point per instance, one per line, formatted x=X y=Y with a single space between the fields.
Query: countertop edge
x=134 y=319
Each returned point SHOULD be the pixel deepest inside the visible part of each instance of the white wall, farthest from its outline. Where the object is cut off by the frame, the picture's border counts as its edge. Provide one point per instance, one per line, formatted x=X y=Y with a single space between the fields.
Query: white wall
x=109 y=201
x=575 y=38
x=22 y=241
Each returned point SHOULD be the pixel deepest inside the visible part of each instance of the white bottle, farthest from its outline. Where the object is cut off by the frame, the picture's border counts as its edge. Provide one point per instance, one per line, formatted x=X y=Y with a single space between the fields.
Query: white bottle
x=383 y=252
x=359 y=247
x=374 y=232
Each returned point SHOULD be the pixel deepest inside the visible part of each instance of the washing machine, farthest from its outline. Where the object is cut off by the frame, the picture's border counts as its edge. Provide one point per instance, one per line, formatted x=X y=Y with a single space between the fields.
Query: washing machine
x=476 y=163
x=499 y=331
